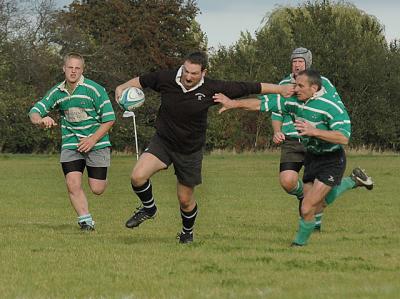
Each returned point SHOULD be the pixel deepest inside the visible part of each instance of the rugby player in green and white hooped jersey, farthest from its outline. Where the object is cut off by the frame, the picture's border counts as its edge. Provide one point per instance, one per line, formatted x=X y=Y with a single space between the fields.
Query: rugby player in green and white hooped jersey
x=86 y=117
x=285 y=134
x=324 y=127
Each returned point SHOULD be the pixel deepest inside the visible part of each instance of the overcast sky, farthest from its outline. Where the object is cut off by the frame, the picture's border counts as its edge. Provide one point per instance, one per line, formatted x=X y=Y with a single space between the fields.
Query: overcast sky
x=223 y=20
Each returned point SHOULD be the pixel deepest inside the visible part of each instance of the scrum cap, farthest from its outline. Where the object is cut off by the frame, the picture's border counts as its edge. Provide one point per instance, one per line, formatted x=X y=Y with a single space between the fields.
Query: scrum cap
x=302 y=53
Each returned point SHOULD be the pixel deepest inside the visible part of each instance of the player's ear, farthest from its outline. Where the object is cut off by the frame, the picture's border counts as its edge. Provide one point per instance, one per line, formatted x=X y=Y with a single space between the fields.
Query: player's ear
x=204 y=72
x=314 y=88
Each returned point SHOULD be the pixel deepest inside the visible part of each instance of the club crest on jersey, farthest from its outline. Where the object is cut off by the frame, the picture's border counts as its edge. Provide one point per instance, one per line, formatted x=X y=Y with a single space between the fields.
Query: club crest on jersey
x=200 y=96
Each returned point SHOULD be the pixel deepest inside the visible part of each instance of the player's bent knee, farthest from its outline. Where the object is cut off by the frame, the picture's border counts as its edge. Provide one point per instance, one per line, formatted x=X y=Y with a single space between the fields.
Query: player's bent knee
x=98 y=190
x=97 y=179
x=288 y=183
x=97 y=186
x=184 y=202
x=138 y=179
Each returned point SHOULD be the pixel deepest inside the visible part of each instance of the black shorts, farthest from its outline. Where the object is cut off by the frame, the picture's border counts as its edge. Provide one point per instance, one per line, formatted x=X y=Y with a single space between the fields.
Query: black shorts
x=292 y=154
x=99 y=173
x=328 y=168
x=187 y=166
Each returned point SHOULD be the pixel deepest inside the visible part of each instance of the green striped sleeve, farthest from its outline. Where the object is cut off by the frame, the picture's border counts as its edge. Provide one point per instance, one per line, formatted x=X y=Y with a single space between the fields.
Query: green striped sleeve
x=46 y=104
x=342 y=124
x=331 y=89
x=277 y=116
x=339 y=120
x=274 y=103
x=263 y=101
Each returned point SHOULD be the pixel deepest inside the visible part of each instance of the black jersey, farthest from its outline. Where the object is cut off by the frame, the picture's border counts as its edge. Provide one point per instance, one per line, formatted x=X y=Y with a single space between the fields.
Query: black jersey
x=182 y=117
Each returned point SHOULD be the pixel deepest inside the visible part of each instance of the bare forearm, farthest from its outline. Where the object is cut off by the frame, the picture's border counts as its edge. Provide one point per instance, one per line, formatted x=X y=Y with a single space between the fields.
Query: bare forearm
x=252 y=104
x=131 y=83
x=276 y=126
x=284 y=90
x=331 y=136
x=270 y=88
x=103 y=130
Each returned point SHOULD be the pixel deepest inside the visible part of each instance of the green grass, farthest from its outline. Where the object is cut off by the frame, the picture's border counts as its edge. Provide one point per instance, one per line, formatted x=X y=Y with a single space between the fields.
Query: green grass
x=243 y=231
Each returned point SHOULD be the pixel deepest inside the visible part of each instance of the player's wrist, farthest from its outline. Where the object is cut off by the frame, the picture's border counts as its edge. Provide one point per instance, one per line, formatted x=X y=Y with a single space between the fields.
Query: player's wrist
x=315 y=132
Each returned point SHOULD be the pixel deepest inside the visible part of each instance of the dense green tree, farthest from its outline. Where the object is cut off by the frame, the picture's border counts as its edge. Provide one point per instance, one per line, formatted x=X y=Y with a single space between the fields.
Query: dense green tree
x=348 y=47
x=121 y=39
x=27 y=66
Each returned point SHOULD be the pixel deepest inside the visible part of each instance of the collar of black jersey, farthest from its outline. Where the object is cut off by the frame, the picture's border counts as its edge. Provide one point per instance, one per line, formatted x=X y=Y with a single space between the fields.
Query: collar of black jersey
x=178 y=81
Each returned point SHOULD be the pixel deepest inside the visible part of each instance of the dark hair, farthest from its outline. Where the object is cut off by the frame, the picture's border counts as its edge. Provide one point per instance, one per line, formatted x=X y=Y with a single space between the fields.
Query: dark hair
x=198 y=58
x=314 y=78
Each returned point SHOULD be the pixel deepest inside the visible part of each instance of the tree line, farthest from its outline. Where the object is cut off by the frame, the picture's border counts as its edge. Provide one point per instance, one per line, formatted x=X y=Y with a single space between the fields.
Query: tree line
x=121 y=39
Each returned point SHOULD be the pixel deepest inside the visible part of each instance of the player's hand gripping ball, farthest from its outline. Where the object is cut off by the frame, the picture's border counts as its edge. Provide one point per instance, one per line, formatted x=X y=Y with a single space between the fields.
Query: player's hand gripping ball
x=131 y=98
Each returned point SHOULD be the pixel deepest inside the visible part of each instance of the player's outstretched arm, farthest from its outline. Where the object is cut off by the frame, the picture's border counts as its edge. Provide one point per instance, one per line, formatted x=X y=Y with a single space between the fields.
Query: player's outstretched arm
x=285 y=90
x=131 y=83
x=45 y=122
x=252 y=104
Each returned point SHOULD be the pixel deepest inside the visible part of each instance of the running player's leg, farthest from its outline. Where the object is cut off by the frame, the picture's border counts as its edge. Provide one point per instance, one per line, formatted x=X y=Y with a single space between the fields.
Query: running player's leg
x=97 y=163
x=188 y=172
x=321 y=174
x=313 y=196
x=73 y=165
x=292 y=159
x=357 y=178
x=188 y=211
x=154 y=159
x=291 y=162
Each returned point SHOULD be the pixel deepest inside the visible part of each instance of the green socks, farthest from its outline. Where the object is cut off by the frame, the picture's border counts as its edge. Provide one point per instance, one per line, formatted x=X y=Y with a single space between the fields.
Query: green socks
x=305 y=230
x=346 y=184
x=318 y=221
x=298 y=191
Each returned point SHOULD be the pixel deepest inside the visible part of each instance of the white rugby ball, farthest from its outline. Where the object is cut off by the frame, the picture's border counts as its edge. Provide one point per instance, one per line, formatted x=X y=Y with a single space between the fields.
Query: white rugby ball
x=131 y=98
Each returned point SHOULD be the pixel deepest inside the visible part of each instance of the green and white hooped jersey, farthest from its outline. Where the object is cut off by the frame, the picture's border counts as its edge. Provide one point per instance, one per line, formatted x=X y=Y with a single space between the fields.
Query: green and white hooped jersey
x=82 y=112
x=287 y=124
x=323 y=111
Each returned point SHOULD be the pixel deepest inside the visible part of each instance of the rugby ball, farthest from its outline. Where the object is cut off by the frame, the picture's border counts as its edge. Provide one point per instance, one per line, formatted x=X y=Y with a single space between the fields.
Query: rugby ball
x=131 y=98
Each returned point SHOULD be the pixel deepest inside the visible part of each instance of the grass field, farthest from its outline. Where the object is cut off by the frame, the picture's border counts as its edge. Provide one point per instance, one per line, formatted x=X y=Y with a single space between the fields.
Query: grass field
x=242 y=236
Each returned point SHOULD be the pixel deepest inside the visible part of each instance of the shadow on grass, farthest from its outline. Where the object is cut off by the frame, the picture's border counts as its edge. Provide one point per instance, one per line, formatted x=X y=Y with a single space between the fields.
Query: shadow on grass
x=136 y=239
x=24 y=227
x=57 y=227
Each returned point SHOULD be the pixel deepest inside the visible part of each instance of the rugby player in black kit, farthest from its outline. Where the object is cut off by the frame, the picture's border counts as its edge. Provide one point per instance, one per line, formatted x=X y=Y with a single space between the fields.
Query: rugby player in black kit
x=186 y=96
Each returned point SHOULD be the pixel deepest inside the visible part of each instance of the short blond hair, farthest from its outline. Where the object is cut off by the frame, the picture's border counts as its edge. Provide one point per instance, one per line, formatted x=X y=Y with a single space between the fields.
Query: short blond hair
x=75 y=55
